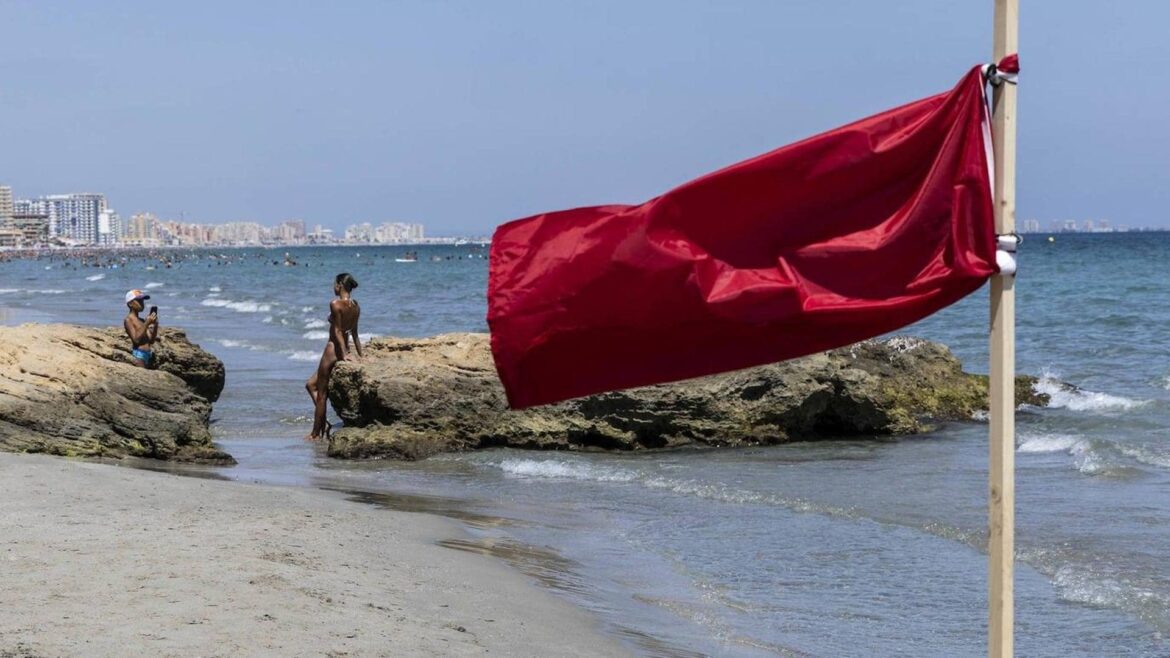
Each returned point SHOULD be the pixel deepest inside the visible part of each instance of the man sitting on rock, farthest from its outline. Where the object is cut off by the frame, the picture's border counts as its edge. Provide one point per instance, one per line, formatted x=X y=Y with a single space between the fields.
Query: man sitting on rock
x=142 y=333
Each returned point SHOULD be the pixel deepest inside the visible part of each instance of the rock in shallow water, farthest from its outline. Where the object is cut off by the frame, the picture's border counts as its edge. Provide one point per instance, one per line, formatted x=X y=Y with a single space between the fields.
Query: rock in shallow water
x=412 y=398
x=71 y=390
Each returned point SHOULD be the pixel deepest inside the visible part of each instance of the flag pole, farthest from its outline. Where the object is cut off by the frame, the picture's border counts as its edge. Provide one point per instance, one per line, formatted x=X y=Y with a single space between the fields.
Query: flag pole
x=1002 y=472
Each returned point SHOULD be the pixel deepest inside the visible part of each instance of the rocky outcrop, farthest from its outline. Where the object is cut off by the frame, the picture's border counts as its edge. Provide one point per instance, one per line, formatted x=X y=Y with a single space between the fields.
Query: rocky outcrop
x=410 y=399
x=70 y=390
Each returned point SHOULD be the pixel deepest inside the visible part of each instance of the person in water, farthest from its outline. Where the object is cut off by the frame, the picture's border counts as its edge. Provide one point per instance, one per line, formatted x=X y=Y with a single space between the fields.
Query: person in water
x=343 y=324
x=142 y=333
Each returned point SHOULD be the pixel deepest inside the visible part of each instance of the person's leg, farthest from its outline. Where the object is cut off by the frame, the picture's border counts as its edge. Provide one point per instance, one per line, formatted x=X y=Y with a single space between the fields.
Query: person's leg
x=328 y=360
x=311 y=387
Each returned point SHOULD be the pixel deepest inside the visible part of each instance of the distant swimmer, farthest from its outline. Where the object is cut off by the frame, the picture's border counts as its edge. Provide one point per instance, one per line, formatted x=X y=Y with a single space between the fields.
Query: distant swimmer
x=343 y=325
x=142 y=333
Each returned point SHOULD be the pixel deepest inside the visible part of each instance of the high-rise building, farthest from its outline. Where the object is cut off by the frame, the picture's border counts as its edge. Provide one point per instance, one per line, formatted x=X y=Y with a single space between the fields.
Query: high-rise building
x=83 y=218
x=6 y=207
x=291 y=231
x=142 y=229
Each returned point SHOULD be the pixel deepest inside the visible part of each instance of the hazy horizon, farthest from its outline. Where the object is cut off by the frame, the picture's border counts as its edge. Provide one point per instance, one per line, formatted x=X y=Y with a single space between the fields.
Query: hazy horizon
x=463 y=115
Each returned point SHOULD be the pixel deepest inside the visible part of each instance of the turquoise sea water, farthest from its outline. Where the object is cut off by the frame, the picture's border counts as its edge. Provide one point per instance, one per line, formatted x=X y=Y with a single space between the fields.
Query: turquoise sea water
x=853 y=548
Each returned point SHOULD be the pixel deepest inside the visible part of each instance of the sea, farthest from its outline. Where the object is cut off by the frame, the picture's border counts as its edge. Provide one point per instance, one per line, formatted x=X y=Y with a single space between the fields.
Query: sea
x=871 y=546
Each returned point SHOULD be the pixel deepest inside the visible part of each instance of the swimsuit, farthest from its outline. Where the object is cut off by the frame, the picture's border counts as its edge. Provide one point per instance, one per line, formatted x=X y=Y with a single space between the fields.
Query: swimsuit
x=142 y=355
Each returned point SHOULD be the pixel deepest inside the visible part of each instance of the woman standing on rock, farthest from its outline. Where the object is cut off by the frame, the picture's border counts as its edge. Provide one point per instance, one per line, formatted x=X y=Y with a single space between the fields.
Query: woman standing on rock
x=343 y=323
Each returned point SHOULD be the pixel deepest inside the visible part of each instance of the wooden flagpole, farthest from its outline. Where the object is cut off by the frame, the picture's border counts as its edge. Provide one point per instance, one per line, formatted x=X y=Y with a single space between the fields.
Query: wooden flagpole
x=1002 y=475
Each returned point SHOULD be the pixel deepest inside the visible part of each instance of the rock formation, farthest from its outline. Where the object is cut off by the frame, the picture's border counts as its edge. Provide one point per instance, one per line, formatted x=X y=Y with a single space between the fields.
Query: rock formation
x=412 y=398
x=70 y=390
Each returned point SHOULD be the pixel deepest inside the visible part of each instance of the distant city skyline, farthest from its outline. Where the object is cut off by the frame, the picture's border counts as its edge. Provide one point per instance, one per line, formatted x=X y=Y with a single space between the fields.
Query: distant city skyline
x=464 y=115
x=88 y=219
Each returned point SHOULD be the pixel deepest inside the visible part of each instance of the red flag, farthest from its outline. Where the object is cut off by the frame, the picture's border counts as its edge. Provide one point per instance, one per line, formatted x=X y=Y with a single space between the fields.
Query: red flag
x=840 y=237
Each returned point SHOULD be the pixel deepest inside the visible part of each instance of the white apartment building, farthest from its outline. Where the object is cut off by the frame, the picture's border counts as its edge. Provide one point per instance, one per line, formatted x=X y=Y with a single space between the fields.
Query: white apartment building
x=83 y=218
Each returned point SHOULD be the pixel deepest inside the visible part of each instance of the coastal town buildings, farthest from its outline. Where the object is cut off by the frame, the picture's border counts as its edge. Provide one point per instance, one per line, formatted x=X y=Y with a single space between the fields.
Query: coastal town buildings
x=141 y=230
x=82 y=218
x=386 y=233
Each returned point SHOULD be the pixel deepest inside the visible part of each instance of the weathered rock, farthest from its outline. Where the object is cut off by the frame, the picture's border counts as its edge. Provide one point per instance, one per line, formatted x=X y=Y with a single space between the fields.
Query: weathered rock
x=409 y=399
x=71 y=390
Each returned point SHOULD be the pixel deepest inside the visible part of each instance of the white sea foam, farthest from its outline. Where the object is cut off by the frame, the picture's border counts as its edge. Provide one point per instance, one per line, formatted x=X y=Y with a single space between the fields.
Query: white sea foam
x=316 y=324
x=8 y=291
x=564 y=469
x=95 y=277
x=315 y=335
x=1166 y=382
x=153 y=284
x=1041 y=443
x=1089 y=461
x=267 y=319
x=1061 y=397
x=242 y=307
x=214 y=289
x=303 y=356
x=52 y=291
x=1146 y=455
x=1082 y=584
x=306 y=309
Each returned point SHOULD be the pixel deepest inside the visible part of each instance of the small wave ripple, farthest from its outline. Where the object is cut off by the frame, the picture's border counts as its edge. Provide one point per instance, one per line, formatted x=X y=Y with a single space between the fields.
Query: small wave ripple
x=241 y=307
x=577 y=469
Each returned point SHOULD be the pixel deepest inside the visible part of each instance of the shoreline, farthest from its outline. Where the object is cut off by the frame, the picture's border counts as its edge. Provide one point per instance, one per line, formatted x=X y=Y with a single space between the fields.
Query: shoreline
x=122 y=561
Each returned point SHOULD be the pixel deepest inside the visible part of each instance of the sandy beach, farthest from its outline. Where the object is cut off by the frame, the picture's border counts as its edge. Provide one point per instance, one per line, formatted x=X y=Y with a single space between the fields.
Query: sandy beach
x=97 y=560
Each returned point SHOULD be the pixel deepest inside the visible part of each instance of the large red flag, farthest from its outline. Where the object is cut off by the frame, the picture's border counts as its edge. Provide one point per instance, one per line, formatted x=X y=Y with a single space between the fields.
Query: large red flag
x=834 y=239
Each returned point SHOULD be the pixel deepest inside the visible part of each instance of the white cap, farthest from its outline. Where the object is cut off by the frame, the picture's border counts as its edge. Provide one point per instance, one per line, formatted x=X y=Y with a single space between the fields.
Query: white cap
x=131 y=295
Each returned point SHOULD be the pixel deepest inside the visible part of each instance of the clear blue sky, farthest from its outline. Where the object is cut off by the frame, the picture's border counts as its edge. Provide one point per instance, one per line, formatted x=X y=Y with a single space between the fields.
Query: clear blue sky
x=462 y=115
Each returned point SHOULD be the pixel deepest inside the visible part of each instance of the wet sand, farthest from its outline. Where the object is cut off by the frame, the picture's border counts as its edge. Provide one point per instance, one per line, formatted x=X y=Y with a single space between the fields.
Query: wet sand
x=98 y=560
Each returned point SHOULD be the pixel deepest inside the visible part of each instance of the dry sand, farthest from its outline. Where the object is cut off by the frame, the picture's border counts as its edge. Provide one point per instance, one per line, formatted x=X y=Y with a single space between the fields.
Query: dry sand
x=97 y=560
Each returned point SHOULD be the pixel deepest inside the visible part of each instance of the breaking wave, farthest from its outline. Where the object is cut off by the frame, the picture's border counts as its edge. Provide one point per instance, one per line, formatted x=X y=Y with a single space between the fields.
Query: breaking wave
x=1062 y=397
x=95 y=277
x=303 y=355
x=153 y=284
x=315 y=335
x=1041 y=443
x=1089 y=456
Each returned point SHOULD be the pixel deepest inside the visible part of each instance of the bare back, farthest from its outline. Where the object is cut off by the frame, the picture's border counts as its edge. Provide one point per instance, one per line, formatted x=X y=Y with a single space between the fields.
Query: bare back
x=343 y=320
